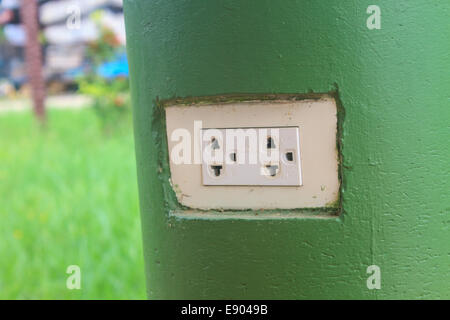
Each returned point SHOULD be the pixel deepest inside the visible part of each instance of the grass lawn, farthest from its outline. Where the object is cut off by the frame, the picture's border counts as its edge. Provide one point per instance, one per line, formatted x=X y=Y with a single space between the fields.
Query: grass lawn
x=68 y=196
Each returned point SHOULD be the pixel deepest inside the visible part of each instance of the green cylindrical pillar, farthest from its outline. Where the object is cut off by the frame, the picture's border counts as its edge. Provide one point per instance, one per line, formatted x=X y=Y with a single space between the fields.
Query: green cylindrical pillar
x=393 y=84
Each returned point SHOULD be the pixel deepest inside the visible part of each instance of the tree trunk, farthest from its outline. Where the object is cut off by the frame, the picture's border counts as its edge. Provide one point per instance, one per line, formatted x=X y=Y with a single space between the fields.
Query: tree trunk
x=33 y=56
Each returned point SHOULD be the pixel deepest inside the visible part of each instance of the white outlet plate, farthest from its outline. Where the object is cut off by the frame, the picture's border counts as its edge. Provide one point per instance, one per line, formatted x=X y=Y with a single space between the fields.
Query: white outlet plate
x=240 y=157
x=316 y=121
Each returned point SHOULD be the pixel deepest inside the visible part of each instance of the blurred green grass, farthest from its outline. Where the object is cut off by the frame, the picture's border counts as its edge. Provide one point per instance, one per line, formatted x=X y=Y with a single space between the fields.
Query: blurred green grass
x=68 y=196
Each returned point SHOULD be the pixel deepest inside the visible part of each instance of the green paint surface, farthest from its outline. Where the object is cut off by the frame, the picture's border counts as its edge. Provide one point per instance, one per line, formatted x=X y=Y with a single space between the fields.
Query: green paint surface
x=394 y=85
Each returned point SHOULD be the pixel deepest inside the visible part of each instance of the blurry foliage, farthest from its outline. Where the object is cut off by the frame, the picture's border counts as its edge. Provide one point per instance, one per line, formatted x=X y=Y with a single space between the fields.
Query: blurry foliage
x=104 y=48
x=110 y=96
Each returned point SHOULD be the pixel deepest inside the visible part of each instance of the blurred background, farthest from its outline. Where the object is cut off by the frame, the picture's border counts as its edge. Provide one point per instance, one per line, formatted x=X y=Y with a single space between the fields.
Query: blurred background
x=68 y=190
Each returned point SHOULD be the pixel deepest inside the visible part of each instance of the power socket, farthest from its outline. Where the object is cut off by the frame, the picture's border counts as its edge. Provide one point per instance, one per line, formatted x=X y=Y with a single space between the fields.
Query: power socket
x=267 y=156
x=307 y=173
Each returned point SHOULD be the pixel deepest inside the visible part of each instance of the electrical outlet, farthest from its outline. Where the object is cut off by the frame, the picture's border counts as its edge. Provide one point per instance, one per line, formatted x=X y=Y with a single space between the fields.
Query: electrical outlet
x=208 y=172
x=251 y=157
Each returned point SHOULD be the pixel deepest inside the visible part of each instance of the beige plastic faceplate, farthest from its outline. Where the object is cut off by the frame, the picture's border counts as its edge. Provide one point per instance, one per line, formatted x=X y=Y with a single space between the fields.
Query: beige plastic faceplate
x=317 y=122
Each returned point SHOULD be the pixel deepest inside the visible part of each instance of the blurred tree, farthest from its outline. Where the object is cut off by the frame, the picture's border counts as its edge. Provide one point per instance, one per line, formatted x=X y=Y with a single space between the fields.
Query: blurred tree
x=106 y=80
x=33 y=56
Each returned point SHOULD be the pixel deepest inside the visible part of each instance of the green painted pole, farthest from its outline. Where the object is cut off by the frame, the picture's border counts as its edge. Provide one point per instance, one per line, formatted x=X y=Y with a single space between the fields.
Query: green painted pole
x=393 y=84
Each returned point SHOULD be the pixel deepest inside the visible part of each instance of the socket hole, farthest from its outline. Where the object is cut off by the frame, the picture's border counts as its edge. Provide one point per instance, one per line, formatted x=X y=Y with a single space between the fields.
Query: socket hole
x=289 y=156
x=272 y=170
x=233 y=156
x=214 y=144
x=270 y=143
x=216 y=170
